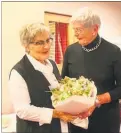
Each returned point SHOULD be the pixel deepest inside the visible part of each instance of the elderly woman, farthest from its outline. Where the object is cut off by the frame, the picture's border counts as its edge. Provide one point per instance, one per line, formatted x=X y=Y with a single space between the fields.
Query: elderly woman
x=99 y=60
x=30 y=82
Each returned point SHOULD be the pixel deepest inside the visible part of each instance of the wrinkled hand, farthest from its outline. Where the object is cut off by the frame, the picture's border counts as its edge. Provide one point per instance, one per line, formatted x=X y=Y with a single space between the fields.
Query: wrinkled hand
x=104 y=98
x=67 y=117
x=87 y=113
x=63 y=116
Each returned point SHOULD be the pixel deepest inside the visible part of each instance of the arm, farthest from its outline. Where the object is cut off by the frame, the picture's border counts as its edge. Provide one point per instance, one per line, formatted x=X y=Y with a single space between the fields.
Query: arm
x=114 y=94
x=21 y=101
x=65 y=65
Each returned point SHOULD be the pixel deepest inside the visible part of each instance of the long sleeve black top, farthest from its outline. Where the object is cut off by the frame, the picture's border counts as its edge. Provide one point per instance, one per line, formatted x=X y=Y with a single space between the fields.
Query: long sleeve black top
x=103 y=66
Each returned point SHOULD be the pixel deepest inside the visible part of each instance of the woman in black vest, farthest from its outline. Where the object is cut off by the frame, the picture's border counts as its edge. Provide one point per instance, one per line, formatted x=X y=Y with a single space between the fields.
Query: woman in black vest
x=30 y=82
x=99 y=60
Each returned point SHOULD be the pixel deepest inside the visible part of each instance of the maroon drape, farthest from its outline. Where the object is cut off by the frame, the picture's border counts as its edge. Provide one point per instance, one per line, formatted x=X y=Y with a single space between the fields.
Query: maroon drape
x=61 y=41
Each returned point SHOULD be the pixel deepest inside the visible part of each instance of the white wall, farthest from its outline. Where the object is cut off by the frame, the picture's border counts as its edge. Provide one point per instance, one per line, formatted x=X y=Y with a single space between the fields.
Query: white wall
x=16 y=14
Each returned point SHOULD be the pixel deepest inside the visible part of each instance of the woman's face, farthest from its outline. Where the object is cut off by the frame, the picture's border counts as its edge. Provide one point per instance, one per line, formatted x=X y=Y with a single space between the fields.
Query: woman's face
x=83 y=34
x=40 y=47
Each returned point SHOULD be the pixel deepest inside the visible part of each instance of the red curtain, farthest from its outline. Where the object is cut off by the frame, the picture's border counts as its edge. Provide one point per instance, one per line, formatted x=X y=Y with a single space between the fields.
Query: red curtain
x=61 y=41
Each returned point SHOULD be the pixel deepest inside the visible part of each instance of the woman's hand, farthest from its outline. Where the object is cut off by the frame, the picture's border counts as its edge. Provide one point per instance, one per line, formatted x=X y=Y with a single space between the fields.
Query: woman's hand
x=63 y=116
x=87 y=113
x=104 y=98
x=67 y=117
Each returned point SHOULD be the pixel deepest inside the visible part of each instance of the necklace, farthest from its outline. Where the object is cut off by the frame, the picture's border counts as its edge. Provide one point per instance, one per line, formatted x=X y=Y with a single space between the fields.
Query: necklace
x=92 y=49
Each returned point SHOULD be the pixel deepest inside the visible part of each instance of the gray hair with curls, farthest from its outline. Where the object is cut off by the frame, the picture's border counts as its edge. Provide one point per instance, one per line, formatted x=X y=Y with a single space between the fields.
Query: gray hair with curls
x=29 y=31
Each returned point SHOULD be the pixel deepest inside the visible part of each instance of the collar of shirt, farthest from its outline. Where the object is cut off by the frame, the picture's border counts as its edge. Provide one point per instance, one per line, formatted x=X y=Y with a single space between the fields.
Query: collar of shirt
x=47 y=70
x=39 y=66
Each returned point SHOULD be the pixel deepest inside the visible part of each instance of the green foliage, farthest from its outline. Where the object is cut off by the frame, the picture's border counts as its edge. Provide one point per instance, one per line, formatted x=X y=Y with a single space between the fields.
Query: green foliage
x=70 y=87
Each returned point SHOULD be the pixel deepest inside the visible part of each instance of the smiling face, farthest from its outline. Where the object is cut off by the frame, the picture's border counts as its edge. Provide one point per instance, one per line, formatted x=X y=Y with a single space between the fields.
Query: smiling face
x=39 y=48
x=85 y=35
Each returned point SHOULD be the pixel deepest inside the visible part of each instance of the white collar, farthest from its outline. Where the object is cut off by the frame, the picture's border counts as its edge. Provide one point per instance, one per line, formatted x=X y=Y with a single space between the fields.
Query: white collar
x=39 y=66
x=47 y=71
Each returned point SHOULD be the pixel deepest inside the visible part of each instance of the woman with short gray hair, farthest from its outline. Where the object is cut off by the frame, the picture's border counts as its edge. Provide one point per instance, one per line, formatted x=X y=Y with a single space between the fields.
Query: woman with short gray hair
x=99 y=60
x=30 y=82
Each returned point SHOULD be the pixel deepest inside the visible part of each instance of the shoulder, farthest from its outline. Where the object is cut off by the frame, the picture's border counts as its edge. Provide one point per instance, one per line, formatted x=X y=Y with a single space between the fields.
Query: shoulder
x=20 y=62
x=110 y=46
x=15 y=76
x=111 y=50
x=19 y=66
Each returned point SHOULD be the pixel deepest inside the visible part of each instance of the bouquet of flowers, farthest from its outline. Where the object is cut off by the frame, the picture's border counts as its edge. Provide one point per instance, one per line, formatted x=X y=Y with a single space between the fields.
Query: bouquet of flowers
x=73 y=95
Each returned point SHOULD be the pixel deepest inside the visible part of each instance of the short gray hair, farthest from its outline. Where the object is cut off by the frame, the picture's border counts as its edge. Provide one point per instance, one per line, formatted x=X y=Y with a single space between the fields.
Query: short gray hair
x=87 y=17
x=29 y=31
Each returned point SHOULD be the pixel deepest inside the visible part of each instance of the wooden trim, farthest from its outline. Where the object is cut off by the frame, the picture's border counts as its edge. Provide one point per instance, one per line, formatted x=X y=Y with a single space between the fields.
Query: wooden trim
x=58 y=14
x=58 y=21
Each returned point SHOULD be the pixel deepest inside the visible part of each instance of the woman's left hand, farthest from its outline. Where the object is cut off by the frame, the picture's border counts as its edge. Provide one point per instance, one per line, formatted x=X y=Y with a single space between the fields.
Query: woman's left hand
x=67 y=117
x=87 y=113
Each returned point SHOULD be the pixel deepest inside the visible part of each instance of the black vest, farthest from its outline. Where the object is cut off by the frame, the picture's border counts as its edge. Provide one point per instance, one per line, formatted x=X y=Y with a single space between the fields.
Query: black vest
x=39 y=95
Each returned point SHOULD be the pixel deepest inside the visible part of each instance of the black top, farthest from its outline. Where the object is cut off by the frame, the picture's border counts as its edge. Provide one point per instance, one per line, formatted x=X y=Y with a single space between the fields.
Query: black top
x=103 y=66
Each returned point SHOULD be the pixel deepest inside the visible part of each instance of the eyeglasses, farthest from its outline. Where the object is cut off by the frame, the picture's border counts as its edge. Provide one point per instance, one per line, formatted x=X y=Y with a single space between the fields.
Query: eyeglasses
x=78 y=30
x=42 y=43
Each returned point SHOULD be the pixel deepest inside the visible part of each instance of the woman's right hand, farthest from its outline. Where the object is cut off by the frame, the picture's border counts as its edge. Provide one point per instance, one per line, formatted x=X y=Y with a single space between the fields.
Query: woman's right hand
x=87 y=113
x=63 y=116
